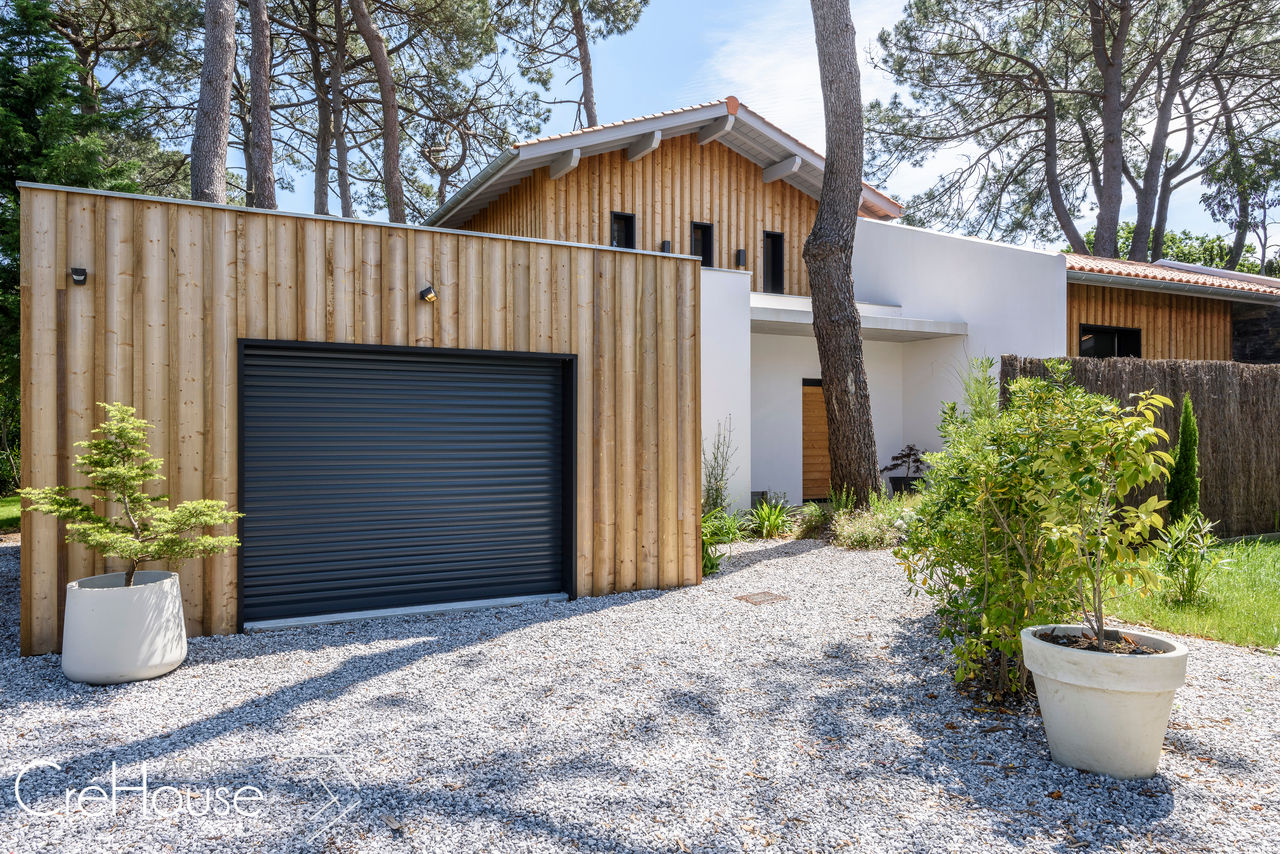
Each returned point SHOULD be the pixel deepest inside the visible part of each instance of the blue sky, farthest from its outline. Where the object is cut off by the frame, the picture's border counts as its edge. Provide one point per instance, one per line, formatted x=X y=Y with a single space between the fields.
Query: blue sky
x=688 y=51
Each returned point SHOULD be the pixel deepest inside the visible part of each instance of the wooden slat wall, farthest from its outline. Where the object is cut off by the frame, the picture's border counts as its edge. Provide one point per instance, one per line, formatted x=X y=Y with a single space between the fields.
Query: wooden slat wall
x=1173 y=326
x=816 y=454
x=679 y=183
x=173 y=285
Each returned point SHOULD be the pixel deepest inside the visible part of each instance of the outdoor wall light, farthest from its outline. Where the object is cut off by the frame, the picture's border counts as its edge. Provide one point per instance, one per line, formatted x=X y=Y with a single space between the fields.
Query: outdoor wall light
x=740 y=257
x=666 y=246
x=428 y=293
x=79 y=275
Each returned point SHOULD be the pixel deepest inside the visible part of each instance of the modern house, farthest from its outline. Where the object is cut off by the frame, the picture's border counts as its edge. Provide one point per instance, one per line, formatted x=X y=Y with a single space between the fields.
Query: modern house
x=508 y=404
x=719 y=182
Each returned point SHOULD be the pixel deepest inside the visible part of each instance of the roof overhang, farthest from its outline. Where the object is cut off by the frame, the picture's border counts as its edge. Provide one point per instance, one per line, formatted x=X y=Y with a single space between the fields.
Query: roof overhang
x=779 y=155
x=778 y=314
x=1137 y=283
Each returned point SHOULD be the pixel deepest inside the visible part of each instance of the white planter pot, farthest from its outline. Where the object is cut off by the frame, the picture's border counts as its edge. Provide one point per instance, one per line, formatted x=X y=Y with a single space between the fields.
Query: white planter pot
x=1104 y=712
x=112 y=633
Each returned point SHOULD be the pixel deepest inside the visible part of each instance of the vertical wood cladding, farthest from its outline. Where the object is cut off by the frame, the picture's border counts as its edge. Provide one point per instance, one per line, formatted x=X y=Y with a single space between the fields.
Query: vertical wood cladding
x=172 y=286
x=1174 y=326
x=680 y=183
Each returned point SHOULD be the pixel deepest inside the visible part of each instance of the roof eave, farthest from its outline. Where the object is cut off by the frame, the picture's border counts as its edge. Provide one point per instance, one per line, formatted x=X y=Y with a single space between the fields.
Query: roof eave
x=1137 y=283
x=491 y=172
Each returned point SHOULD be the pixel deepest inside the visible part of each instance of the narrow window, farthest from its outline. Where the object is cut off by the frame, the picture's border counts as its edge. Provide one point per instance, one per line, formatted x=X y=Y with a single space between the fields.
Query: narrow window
x=1104 y=341
x=702 y=243
x=622 y=230
x=773 y=266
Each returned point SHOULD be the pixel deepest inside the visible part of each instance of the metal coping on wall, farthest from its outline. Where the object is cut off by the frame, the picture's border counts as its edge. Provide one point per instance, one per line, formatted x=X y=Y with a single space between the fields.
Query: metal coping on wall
x=569 y=447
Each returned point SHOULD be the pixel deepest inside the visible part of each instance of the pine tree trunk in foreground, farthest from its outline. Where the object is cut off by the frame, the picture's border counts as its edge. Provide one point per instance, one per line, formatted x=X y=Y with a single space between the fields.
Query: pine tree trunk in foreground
x=828 y=255
x=584 y=65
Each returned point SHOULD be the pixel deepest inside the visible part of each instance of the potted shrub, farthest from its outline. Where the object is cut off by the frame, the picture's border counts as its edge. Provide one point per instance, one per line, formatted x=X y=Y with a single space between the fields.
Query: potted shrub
x=911 y=463
x=1104 y=695
x=1027 y=522
x=125 y=626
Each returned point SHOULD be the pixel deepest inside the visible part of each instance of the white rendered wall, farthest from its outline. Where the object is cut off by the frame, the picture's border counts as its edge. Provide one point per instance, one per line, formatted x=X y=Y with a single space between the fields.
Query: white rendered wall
x=779 y=366
x=725 y=338
x=1014 y=300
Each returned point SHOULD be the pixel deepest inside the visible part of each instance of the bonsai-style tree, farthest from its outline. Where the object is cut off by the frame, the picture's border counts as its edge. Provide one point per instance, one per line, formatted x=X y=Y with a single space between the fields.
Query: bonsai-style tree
x=908 y=458
x=118 y=462
x=1183 y=491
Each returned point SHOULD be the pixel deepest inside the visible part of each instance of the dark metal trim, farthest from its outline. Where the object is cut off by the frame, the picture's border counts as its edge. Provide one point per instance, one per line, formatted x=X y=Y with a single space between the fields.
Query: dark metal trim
x=812 y=382
x=711 y=235
x=569 y=463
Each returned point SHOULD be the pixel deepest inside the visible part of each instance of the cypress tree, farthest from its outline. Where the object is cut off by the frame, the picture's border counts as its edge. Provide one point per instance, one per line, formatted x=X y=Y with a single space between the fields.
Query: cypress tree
x=1183 y=491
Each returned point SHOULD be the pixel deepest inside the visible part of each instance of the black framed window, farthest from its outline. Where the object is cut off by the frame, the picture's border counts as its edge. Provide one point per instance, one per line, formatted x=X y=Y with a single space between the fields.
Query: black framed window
x=702 y=243
x=773 y=262
x=1104 y=341
x=622 y=230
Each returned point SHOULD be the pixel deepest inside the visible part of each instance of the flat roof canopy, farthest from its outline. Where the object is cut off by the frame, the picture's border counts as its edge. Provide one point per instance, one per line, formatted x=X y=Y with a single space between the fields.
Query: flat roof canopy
x=779 y=314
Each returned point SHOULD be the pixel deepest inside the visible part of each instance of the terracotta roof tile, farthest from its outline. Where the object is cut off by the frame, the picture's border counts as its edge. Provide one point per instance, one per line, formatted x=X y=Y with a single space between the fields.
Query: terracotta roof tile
x=1160 y=273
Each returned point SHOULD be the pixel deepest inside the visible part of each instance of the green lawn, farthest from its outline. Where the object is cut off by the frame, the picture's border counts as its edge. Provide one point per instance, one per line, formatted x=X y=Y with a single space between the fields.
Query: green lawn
x=10 y=511
x=1242 y=601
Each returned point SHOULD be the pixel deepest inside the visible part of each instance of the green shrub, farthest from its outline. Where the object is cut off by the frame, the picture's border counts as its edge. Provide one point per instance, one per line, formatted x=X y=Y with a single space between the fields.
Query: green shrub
x=1183 y=490
x=1023 y=520
x=840 y=500
x=118 y=463
x=1187 y=557
x=812 y=521
x=771 y=518
x=882 y=527
x=718 y=529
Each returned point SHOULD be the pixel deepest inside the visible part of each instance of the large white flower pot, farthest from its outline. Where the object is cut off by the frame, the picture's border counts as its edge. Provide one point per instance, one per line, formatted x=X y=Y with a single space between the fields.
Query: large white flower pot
x=112 y=633
x=1105 y=712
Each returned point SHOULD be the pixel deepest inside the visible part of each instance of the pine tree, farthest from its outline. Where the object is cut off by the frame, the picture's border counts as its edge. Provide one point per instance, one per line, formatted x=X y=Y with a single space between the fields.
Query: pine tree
x=1183 y=491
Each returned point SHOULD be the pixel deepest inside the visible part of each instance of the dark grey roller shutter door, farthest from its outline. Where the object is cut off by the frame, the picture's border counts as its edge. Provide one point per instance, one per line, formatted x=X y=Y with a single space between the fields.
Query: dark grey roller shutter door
x=376 y=477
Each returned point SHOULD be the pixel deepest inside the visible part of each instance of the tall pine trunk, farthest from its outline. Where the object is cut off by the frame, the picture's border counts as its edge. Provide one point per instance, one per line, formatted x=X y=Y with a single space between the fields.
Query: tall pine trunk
x=828 y=255
x=338 y=110
x=584 y=65
x=213 y=110
x=261 y=148
x=393 y=185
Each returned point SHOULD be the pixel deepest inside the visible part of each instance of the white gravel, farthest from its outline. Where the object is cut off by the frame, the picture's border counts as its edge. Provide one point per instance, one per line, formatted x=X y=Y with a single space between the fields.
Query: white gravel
x=679 y=721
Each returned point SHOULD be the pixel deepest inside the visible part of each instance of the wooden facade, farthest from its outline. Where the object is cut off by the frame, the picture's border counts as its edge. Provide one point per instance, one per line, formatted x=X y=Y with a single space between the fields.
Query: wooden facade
x=679 y=183
x=1174 y=326
x=172 y=286
x=814 y=439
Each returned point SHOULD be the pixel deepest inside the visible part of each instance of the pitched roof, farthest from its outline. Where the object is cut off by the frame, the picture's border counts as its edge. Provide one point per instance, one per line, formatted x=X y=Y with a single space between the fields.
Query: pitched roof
x=741 y=130
x=1187 y=278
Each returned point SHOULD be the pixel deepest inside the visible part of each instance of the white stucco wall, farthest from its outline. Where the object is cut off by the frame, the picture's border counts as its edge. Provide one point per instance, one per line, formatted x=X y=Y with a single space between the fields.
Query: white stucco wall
x=1014 y=300
x=725 y=337
x=779 y=366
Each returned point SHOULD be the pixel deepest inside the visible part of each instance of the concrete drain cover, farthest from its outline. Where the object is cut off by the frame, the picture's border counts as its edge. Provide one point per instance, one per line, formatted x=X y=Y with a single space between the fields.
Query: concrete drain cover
x=764 y=597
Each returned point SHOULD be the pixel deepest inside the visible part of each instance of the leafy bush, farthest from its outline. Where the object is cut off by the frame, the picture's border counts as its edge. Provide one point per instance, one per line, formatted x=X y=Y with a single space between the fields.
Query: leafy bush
x=909 y=460
x=882 y=527
x=1187 y=557
x=1024 y=520
x=981 y=392
x=771 y=518
x=718 y=529
x=718 y=468
x=840 y=500
x=1183 y=490
x=118 y=463
x=812 y=521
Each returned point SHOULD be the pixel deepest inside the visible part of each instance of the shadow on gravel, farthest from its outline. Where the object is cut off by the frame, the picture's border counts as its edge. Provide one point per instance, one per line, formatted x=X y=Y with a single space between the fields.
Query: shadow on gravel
x=738 y=561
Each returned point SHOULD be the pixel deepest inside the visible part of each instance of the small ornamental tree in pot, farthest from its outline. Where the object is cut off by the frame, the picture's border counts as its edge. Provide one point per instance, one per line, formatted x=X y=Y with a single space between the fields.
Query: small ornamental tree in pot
x=125 y=626
x=1104 y=695
x=912 y=465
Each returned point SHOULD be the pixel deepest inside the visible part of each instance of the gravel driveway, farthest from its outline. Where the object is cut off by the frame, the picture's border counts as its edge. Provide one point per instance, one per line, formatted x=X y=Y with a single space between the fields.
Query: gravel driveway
x=679 y=721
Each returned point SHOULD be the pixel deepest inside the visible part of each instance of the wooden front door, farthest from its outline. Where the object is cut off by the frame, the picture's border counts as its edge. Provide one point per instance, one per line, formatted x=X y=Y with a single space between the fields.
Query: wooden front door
x=813 y=430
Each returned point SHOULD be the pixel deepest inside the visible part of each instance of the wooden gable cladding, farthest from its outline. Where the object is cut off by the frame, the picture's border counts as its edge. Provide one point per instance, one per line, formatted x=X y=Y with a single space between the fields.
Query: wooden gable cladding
x=679 y=183
x=172 y=286
x=1174 y=326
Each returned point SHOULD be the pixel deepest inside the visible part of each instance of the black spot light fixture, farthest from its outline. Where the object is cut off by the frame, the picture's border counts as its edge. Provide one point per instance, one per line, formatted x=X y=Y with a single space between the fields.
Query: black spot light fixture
x=79 y=275
x=427 y=294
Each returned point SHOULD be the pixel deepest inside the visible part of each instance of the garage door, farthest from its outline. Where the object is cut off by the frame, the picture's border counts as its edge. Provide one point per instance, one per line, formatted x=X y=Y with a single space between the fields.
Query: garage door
x=378 y=477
